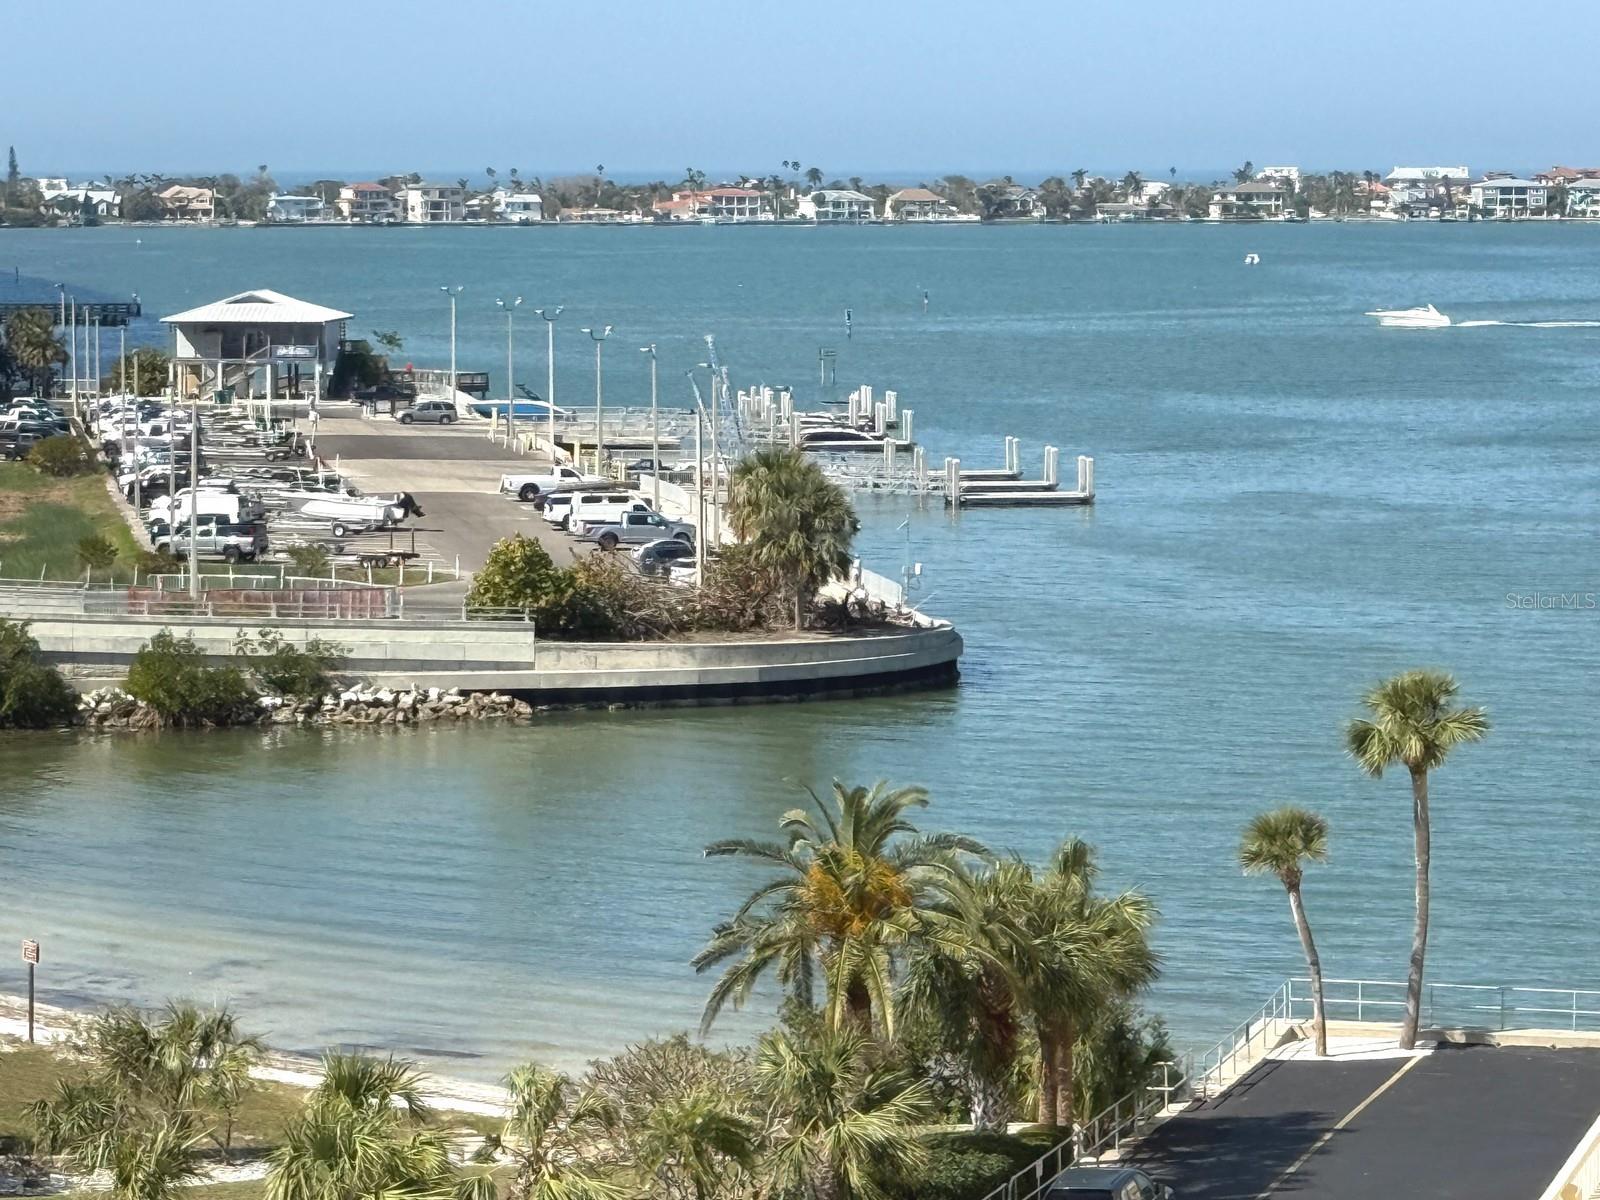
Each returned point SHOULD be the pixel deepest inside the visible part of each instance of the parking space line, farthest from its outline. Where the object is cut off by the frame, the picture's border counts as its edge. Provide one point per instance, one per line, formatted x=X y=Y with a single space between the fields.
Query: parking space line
x=1292 y=1168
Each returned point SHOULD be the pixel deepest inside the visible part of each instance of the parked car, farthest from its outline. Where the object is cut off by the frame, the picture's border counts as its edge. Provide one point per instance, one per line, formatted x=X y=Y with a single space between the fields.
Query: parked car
x=554 y=507
x=601 y=507
x=526 y=487
x=423 y=412
x=637 y=528
x=1106 y=1183
x=658 y=558
x=234 y=541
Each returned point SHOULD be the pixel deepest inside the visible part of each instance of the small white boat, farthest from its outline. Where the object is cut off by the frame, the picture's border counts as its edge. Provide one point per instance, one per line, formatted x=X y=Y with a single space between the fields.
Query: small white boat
x=1426 y=317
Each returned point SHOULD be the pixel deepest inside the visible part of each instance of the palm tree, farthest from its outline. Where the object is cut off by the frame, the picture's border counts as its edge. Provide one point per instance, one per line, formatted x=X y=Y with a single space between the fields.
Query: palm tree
x=1078 y=177
x=32 y=341
x=813 y=177
x=797 y=524
x=1132 y=186
x=694 y=1144
x=158 y=1163
x=1245 y=173
x=362 y=1136
x=1280 y=843
x=854 y=879
x=544 y=1134
x=1412 y=721
x=847 y=1126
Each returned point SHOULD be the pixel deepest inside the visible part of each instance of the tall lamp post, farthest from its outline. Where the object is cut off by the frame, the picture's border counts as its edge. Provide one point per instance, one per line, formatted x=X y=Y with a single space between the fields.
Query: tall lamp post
x=599 y=337
x=716 y=463
x=452 y=292
x=511 y=392
x=655 y=434
x=550 y=315
x=699 y=487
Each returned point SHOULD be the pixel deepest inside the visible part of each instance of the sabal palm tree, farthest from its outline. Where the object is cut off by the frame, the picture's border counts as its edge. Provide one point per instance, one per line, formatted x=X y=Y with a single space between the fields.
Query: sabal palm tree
x=544 y=1133
x=797 y=523
x=33 y=344
x=1281 y=843
x=1412 y=720
x=854 y=879
x=157 y=1163
x=694 y=1144
x=846 y=1125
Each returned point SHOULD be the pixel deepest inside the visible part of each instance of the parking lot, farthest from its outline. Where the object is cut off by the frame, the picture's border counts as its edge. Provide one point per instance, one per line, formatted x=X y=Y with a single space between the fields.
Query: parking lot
x=453 y=471
x=1458 y=1123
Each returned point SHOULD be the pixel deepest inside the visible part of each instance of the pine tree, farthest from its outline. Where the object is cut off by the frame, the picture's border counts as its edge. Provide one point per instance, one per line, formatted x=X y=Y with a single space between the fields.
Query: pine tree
x=13 y=176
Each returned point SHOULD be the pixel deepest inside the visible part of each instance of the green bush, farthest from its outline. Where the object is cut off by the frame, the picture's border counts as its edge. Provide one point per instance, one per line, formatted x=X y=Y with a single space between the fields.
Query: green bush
x=171 y=675
x=518 y=573
x=158 y=562
x=33 y=695
x=968 y=1166
x=96 y=552
x=287 y=669
x=62 y=456
x=310 y=560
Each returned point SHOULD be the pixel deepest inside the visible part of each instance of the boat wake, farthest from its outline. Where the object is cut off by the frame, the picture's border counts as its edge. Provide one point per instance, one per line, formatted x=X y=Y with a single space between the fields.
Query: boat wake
x=1530 y=324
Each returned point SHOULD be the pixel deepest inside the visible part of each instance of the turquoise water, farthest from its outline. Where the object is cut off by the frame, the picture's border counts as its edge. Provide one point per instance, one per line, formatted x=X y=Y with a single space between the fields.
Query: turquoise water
x=1292 y=501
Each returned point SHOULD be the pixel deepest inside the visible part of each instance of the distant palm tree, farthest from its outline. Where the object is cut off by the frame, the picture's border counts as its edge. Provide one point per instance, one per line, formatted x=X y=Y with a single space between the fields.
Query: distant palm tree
x=1172 y=172
x=1078 y=177
x=1412 y=720
x=813 y=177
x=1245 y=173
x=32 y=341
x=1132 y=185
x=795 y=523
x=1280 y=843
x=847 y=1127
x=543 y=1132
x=854 y=878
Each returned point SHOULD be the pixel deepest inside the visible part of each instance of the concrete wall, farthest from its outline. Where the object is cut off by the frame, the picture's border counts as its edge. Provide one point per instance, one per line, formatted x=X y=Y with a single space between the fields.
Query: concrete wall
x=508 y=657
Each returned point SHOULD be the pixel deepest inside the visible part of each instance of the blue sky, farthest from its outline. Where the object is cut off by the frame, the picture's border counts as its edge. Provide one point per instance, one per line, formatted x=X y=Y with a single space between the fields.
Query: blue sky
x=897 y=88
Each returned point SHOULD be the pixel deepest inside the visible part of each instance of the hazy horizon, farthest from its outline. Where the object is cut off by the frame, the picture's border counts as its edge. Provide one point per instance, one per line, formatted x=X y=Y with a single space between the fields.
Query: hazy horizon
x=1367 y=86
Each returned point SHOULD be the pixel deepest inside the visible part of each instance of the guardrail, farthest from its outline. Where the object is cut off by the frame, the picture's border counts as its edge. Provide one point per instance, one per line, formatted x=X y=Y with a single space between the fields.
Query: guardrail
x=1579 y=1176
x=1454 y=1005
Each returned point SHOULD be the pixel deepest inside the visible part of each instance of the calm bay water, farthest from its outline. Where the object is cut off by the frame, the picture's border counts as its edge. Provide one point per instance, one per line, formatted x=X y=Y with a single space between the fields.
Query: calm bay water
x=1293 y=502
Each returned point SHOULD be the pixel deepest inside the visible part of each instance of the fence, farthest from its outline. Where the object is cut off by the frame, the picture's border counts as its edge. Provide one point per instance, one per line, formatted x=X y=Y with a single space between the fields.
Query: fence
x=1453 y=1005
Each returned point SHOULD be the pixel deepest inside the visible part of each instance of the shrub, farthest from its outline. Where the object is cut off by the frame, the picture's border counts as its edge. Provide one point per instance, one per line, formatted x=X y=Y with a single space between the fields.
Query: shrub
x=96 y=552
x=61 y=456
x=171 y=675
x=33 y=695
x=517 y=574
x=287 y=669
x=968 y=1166
x=158 y=562
x=310 y=560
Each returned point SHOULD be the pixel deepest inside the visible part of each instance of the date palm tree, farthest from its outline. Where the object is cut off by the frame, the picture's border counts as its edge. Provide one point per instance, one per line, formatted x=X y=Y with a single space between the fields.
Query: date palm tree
x=1412 y=720
x=847 y=1126
x=1280 y=843
x=797 y=524
x=854 y=877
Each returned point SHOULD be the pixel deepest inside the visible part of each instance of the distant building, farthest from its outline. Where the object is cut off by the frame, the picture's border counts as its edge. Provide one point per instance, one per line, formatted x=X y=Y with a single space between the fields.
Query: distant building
x=432 y=203
x=1411 y=187
x=260 y=343
x=837 y=206
x=1013 y=202
x=517 y=208
x=736 y=204
x=1134 y=211
x=1151 y=191
x=1506 y=198
x=1568 y=175
x=919 y=204
x=1289 y=175
x=1583 y=198
x=182 y=203
x=368 y=204
x=1263 y=200
x=283 y=209
x=598 y=216
x=68 y=200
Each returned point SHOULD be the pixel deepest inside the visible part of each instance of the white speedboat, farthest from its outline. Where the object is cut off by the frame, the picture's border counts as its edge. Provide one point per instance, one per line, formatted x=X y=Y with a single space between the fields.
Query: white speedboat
x=1426 y=317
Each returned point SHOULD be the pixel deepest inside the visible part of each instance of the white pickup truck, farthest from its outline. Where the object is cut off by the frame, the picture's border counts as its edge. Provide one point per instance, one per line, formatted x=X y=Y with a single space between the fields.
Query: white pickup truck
x=526 y=487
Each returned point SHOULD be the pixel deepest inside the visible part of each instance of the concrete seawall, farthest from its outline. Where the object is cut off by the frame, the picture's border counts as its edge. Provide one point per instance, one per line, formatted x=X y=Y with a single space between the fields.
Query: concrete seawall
x=508 y=657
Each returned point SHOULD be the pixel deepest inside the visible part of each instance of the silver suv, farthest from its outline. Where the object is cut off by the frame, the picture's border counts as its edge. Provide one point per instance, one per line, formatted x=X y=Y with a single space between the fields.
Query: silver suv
x=440 y=412
x=233 y=540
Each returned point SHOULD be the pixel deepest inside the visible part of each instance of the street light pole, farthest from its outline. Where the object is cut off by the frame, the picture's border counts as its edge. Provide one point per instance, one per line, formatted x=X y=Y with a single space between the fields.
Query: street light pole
x=699 y=489
x=716 y=465
x=655 y=433
x=452 y=293
x=511 y=391
x=550 y=316
x=599 y=400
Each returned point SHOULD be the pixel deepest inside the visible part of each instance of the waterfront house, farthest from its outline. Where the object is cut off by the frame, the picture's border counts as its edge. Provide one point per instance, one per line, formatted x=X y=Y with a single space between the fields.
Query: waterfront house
x=432 y=203
x=919 y=204
x=598 y=216
x=1011 y=202
x=516 y=208
x=260 y=343
x=1288 y=176
x=1265 y=200
x=182 y=203
x=81 y=199
x=1419 y=187
x=368 y=204
x=1507 y=197
x=1125 y=211
x=726 y=203
x=1567 y=175
x=837 y=206
x=1583 y=198
x=283 y=209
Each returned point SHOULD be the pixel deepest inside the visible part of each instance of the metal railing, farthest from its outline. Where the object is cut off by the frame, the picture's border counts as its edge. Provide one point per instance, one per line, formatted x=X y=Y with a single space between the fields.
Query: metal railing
x=1579 y=1176
x=1220 y=1064
x=1453 y=1005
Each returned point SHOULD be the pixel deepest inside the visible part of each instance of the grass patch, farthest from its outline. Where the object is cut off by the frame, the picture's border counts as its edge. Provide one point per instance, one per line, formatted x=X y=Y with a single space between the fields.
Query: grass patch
x=249 y=1189
x=42 y=519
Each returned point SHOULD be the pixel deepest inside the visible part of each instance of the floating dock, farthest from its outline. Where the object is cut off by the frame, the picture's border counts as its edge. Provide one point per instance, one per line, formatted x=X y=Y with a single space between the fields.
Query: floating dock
x=1007 y=489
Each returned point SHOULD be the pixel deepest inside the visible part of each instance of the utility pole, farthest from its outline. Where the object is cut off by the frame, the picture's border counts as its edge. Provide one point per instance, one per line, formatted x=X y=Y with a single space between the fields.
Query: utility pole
x=599 y=339
x=452 y=293
x=550 y=316
x=510 y=307
x=655 y=434
x=194 y=491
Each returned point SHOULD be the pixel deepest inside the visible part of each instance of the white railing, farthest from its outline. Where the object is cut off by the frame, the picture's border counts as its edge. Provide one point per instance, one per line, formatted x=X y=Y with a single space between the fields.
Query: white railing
x=1454 y=1005
x=1579 y=1177
x=1254 y=1036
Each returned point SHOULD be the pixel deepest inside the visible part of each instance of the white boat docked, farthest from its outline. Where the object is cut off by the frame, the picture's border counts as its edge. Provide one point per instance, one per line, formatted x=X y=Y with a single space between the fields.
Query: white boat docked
x=839 y=440
x=1426 y=317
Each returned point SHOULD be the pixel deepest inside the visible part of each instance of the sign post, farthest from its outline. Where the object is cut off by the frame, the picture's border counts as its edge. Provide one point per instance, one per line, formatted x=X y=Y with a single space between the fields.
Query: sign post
x=30 y=955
